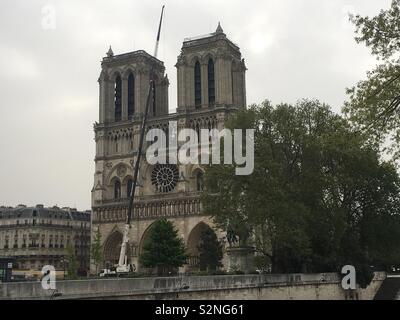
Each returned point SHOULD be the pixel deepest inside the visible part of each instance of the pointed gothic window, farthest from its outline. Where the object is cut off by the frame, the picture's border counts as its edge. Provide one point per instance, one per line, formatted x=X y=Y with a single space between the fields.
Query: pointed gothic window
x=211 y=82
x=117 y=190
x=197 y=84
x=118 y=99
x=129 y=187
x=131 y=96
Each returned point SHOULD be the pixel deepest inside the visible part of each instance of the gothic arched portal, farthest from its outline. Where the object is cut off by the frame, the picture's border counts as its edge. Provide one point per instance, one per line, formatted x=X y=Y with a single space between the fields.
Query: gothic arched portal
x=112 y=248
x=193 y=243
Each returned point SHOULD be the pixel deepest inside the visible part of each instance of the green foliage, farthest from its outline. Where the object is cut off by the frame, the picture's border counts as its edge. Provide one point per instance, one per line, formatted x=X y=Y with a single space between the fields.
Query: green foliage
x=374 y=103
x=72 y=268
x=382 y=32
x=364 y=275
x=95 y=249
x=221 y=181
x=163 y=249
x=319 y=197
x=210 y=251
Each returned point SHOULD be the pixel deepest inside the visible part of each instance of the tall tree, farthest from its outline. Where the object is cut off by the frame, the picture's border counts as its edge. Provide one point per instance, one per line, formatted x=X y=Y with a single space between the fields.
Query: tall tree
x=163 y=249
x=374 y=103
x=72 y=263
x=210 y=251
x=95 y=249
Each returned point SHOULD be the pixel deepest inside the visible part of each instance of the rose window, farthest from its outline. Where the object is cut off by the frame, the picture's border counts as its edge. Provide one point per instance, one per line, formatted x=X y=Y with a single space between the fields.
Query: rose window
x=165 y=177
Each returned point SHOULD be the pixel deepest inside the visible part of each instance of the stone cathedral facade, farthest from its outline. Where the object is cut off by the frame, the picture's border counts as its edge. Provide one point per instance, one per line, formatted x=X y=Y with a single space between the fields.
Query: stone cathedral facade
x=211 y=84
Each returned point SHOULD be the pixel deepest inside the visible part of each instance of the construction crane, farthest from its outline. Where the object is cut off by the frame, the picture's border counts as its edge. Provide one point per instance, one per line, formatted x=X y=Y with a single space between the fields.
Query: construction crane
x=123 y=266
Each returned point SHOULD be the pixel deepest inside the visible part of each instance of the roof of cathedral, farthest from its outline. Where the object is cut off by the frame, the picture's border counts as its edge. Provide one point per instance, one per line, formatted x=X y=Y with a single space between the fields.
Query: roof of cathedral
x=111 y=58
x=217 y=35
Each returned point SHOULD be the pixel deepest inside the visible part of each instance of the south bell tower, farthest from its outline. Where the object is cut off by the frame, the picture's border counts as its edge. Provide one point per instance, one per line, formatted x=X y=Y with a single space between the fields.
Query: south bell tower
x=211 y=84
x=211 y=73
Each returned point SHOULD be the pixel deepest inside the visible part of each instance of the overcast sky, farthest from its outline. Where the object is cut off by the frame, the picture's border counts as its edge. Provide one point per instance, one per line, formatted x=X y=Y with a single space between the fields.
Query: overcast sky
x=48 y=72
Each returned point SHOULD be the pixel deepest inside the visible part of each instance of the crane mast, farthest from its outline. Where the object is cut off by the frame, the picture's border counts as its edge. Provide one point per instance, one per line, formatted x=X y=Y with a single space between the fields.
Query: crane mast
x=123 y=265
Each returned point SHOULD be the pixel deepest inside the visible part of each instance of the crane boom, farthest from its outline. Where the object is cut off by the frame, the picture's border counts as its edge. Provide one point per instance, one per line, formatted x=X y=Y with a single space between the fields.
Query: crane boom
x=159 y=32
x=123 y=266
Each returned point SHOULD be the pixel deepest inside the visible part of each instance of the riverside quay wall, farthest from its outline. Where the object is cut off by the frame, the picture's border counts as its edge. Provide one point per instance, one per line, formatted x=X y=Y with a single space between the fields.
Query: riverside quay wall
x=324 y=286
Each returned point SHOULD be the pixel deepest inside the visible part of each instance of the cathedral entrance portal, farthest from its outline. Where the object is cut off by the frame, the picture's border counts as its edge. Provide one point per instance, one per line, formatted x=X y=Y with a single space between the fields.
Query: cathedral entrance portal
x=112 y=249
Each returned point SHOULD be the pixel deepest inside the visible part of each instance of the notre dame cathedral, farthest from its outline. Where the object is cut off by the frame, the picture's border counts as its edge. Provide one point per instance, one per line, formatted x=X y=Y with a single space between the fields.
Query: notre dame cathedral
x=211 y=84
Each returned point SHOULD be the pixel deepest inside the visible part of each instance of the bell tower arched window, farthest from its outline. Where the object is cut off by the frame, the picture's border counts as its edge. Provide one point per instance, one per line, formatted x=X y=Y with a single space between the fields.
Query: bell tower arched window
x=197 y=84
x=131 y=96
x=118 y=99
x=211 y=82
x=117 y=189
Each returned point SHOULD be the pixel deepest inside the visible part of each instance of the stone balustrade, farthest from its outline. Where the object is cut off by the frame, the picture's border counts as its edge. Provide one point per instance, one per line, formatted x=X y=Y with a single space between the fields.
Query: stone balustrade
x=115 y=210
x=326 y=286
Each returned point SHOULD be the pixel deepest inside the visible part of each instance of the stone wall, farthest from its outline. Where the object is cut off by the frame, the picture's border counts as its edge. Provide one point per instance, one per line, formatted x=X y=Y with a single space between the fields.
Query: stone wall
x=260 y=287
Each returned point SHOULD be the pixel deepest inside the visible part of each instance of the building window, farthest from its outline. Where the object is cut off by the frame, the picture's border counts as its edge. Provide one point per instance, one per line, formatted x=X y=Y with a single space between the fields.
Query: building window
x=6 y=242
x=118 y=99
x=211 y=82
x=117 y=190
x=33 y=243
x=129 y=187
x=131 y=96
x=200 y=181
x=197 y=85
x=16 y=241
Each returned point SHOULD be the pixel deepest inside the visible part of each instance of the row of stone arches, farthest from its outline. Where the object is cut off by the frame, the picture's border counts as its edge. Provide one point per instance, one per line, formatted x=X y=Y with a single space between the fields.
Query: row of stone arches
x=112 y=246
